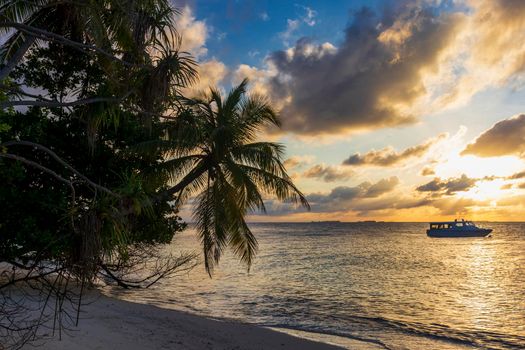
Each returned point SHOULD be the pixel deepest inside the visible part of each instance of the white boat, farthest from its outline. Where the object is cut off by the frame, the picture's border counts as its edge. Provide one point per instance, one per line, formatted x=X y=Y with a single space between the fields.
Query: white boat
x=457 y=228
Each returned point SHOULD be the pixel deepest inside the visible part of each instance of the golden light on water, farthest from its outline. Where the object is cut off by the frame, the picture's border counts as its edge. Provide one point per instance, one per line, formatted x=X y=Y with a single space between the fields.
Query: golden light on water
x=479 y=277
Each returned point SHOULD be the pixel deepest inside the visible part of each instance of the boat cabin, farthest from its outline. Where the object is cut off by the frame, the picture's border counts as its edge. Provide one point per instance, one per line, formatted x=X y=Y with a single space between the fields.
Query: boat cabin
x=450 y=225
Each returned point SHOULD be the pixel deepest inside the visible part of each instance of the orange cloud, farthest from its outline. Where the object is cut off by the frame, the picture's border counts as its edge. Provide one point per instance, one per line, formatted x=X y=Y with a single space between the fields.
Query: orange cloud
x=328 y=173
x=506 y=137
x=388 y=156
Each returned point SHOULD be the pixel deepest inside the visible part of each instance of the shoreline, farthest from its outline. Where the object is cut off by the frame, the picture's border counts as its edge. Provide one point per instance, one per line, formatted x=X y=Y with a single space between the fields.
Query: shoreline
x=111 y=323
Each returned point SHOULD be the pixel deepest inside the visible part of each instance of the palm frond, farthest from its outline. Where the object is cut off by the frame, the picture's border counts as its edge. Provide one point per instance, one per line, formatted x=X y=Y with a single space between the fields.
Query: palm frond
x=264 y=155
x=211 y=219
x=248 y=196
x=282 y=187
x=20 y=10
x=220 y=222
x=175 y=169
x=233 y=101
x=167 y=149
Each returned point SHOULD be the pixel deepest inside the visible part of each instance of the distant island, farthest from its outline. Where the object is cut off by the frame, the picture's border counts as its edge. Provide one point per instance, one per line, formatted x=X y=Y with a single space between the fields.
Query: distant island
x=338 y=221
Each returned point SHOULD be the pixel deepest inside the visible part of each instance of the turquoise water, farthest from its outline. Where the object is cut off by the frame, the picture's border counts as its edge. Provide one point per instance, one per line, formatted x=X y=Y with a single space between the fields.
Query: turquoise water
x=385 y=283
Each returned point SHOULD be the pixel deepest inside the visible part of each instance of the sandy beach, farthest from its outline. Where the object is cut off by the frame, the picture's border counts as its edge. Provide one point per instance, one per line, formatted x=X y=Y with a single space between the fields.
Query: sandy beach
x=108 y=323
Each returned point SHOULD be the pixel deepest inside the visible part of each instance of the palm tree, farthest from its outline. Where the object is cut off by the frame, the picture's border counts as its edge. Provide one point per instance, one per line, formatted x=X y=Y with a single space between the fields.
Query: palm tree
x=111 y=28
x=134 y=42
x=215 y=158
x=19 y=18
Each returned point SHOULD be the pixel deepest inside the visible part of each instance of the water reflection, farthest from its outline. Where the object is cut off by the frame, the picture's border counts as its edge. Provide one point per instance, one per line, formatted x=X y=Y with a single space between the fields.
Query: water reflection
x=384 y=281
x=480 y=295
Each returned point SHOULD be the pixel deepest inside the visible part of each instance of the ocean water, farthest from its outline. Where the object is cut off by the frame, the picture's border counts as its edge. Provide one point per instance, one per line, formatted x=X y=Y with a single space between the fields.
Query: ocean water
x=386 y=284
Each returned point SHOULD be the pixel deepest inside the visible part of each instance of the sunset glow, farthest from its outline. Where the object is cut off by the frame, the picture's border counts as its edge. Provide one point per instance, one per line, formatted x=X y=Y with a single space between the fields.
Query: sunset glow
x=421 y=120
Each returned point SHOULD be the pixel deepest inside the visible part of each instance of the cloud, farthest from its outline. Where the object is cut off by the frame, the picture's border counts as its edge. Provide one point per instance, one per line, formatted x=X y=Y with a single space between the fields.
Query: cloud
x=258 y=78
x=343 y=198
x=427 y=171
x=298 y=161
x=388 y=65
x=264 y=16
x=489 y=49
x=193 y=32
x=456 y=206
x=309 y=17
x=448 y=186
x=506 y=187
x=369 y=81
x=512 y=201
x=388 y=156
x=506 y=137
x=411 y=59
x=365 y=207
x=211 y=73
x=291 y=27
x=519 y=175
x=350 y=200
x=381 y=187
x=368 y=199
x=328 y=173
x=446 y=206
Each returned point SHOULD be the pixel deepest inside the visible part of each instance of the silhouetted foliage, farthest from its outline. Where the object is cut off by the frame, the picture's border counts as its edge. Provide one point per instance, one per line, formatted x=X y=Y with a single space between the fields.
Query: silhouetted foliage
x=99 y=149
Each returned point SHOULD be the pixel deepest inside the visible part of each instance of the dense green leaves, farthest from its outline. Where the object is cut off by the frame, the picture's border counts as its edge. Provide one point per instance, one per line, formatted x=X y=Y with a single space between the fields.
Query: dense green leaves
x=105 y=149
x=90 y=199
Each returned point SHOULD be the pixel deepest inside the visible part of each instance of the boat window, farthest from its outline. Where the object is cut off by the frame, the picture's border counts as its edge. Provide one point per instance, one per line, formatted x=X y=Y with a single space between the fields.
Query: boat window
x=459 y=224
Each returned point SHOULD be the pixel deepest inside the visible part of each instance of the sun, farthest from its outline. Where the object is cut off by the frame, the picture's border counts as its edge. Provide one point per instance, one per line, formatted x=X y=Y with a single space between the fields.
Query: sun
x=486 y=190
x=477 y=167
x=490 y=174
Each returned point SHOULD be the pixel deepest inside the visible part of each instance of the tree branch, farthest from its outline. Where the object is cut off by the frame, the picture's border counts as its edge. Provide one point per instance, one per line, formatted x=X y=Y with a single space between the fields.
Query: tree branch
x=17 y=56
x=49 y=36
x=61 y=161
x=16 y=90
x=38 y=166
x=54 y=103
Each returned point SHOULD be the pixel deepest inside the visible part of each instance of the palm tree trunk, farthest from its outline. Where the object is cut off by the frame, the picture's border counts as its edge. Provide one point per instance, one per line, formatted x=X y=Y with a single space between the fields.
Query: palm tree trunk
x=167 y=195
x=188 y=179
x=17 y=57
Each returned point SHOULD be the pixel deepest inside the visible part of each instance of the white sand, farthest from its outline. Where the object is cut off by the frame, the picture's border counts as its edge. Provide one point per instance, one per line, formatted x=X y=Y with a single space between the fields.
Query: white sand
x=115 y=324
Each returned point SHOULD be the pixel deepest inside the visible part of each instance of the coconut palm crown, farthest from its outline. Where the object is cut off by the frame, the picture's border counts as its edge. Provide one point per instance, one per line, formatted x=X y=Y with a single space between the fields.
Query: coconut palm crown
x=216 y=160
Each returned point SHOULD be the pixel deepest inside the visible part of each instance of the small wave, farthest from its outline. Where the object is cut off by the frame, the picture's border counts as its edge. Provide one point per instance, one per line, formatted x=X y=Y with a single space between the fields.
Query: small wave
x=349 y=336
x=483 y=339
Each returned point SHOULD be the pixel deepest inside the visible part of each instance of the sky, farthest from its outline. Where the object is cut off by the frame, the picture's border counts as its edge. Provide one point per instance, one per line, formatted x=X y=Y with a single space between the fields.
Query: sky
x=392 y=110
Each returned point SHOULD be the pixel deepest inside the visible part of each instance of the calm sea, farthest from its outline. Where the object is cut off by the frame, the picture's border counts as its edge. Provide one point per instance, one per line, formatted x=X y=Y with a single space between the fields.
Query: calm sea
x=387 y=284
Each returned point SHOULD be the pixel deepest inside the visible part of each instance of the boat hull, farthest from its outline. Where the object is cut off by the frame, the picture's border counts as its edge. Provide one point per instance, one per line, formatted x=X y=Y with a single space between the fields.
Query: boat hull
x=481 y=232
